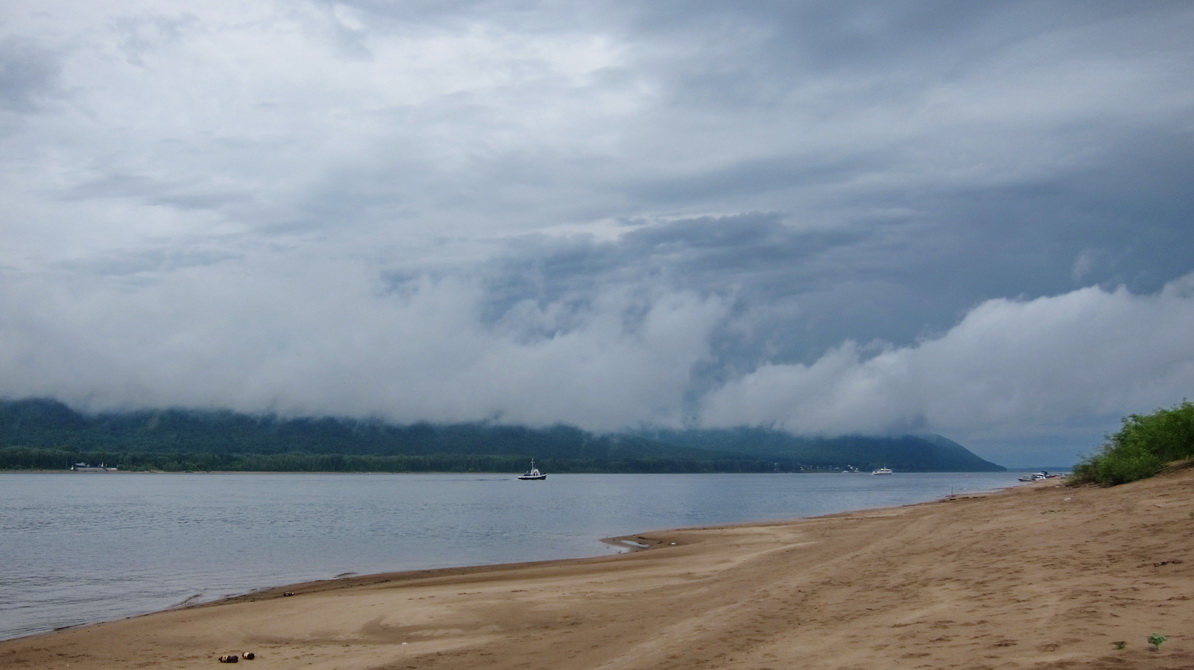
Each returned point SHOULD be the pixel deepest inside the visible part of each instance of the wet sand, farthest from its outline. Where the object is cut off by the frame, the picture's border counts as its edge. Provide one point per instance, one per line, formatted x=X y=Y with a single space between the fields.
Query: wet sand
x=1038 y=576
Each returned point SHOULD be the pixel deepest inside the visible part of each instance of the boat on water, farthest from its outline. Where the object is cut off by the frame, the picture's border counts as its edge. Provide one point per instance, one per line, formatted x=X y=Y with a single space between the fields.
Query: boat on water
x=84 y=467
x=1038 y=476
x=881 y=471
x=533 y=474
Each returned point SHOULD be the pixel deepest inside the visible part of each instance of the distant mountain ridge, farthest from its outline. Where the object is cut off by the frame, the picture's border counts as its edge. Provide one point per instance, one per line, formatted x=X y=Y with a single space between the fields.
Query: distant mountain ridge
x=923 y=453
x=42 y=433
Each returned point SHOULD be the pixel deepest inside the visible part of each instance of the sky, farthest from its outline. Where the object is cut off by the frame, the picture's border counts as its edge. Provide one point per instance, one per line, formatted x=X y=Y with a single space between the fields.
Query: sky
x=974 y=219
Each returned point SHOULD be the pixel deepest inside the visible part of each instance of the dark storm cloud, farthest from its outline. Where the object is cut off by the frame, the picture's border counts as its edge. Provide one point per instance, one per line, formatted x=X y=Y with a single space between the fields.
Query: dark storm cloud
x=29 y=75
x=757 y=254
x=750 y=177
x=815 y=215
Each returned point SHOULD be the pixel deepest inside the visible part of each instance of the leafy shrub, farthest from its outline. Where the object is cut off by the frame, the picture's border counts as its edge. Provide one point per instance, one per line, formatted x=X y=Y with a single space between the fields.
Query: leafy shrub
x=1142 y=447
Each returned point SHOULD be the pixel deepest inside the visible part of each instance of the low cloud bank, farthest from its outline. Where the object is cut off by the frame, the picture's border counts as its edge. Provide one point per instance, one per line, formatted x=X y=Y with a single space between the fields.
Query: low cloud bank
x=333 y=339
x=1008 y=368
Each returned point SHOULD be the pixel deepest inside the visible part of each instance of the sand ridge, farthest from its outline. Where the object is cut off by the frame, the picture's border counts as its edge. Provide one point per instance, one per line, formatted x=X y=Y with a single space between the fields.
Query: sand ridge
x=1039 y=576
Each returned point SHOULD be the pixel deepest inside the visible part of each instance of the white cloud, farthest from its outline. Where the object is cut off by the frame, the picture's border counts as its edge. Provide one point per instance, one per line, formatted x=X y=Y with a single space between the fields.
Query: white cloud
x=1011 y=368
x=321 y=337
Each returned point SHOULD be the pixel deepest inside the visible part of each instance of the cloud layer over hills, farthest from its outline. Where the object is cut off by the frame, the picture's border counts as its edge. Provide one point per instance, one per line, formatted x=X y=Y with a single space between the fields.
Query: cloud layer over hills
x=966 y=219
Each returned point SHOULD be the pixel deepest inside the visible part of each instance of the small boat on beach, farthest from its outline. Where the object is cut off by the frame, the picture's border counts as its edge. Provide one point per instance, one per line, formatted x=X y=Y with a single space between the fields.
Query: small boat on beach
x=533 y=474
x=881 y=471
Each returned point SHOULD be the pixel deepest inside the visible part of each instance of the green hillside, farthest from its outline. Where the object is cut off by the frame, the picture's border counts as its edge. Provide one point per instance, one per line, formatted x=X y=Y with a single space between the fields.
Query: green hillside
x=909 y=453
x=46 y=434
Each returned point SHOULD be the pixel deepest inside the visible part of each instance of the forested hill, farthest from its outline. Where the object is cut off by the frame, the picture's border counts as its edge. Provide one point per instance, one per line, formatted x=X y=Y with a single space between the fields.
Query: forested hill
x=926 y=453
x=46 y=434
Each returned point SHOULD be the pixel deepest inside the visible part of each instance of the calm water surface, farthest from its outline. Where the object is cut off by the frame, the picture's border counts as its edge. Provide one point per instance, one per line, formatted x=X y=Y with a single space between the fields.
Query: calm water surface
x=81 y=548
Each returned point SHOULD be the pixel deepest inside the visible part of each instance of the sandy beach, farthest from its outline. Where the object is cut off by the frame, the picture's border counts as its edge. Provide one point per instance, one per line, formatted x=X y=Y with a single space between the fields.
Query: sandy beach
x=1038 y=576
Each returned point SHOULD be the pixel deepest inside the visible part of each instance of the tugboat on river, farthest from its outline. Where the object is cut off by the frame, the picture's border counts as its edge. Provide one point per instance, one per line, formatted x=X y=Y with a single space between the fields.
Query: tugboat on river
x=533 y=474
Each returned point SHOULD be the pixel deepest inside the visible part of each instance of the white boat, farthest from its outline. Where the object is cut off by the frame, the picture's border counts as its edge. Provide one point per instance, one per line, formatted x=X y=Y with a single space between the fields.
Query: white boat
x=881 y=471
x=533 y=474
x=84 y=467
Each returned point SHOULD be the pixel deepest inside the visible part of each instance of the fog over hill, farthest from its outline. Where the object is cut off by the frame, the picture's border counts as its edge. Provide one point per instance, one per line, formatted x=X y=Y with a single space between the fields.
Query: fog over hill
x=48 y=434
x=970 y=219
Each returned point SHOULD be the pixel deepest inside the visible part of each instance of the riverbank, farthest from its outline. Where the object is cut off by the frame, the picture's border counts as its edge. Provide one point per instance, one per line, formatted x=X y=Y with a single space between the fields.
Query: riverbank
x=1032 y=577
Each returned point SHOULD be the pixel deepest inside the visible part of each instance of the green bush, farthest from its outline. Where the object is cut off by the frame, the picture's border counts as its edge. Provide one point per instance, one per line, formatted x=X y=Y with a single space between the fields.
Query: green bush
x=1142 y=447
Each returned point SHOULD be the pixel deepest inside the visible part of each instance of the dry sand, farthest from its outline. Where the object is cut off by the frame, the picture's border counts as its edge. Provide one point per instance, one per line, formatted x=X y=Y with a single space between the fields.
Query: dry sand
x=1039 y=576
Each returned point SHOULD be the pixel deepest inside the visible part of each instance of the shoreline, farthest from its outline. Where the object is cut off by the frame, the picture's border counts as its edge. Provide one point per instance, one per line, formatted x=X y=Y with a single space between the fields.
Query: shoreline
x=173 y=564
x=602 y=546
x=1035 y=575
x=639 y=542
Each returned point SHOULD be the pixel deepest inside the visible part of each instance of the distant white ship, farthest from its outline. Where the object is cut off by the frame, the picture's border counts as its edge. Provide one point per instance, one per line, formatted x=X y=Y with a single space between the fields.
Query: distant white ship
x=881 y=471
x=84 y=467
